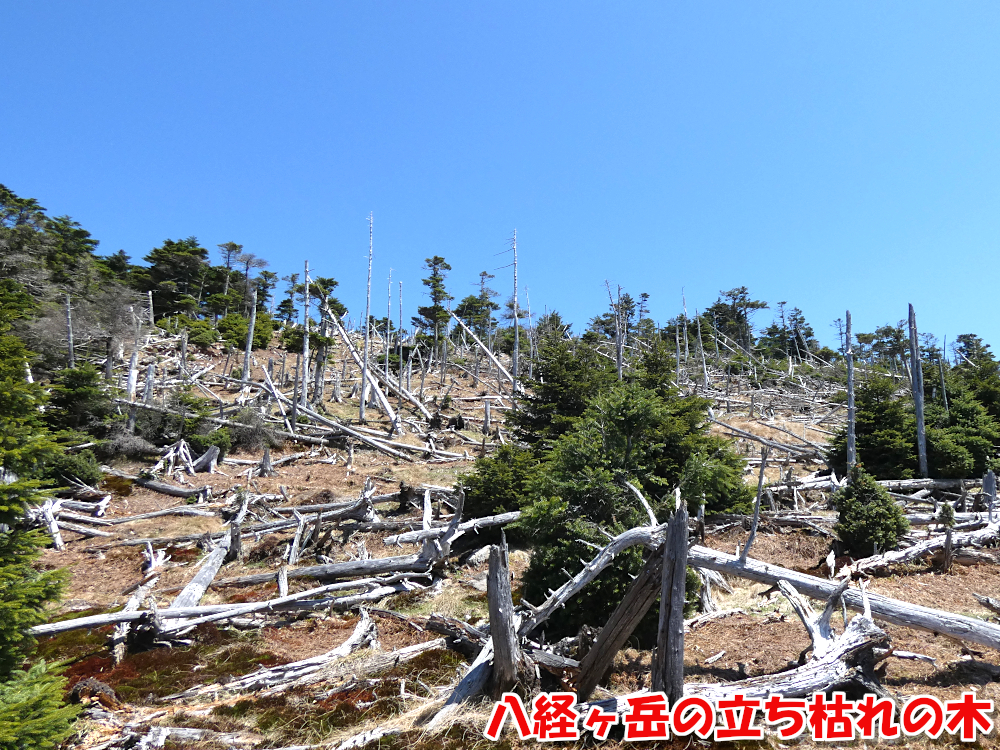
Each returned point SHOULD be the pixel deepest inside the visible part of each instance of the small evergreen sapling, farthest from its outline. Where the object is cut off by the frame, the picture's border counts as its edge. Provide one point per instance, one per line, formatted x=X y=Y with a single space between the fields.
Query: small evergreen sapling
x=869 y=517
x=946 y=516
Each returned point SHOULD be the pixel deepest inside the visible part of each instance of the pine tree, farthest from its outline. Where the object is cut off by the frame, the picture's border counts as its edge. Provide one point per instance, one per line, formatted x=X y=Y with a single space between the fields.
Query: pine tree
x=433 y=315
x=870 y=521
x=32 y=714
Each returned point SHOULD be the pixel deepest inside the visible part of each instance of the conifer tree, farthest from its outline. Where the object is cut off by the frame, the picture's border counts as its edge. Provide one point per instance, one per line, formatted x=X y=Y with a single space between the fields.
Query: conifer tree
x=32 y=714
x=433 y=315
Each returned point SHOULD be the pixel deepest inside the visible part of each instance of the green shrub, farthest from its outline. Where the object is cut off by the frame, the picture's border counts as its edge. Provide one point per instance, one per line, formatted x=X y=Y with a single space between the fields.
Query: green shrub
x=82 y=466
x=868 y=515
x=233 y=329
x=234 y=326
x=220 y=437
x=498 y=482
x=77 y=401
x=946 y=515
x=33 y=715
x=200 y=332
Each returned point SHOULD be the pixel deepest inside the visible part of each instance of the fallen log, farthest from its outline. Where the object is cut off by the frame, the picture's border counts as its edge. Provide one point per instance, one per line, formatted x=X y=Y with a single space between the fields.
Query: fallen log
x=196 y=588
x=349 y=569
x=283 y=675
x=797 y=450
x=472 y=684
x=474 y=524
x=890 y=610
x=882 y=562
x=989 y=602
x=835 y=661
x=119 y=639
x=884 y=608
x=87 y=531
x=298 y=437
x=633 y=607
x=291 y=602
x=157 y=486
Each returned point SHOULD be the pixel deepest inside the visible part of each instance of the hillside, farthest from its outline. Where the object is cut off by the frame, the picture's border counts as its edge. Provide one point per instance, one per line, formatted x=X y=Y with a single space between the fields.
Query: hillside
x=275 y=678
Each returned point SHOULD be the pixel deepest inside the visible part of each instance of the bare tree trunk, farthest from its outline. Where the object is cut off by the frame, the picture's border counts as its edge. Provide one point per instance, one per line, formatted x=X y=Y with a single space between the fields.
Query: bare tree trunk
x=517 y=326
x=944 y=388
x=620 y=626
x=918 y=394
x=109 y=363
x=668 y=660
x=368 y=304
x=508 y=662
x=305 y=340
x=701 y=348
x=849 y=355
x=399 y=347
x=756 y=506
x=444 y=349
x=249 y=344
x=71 y=358
x=388 y=328
x=677 y=342
x=295 y=398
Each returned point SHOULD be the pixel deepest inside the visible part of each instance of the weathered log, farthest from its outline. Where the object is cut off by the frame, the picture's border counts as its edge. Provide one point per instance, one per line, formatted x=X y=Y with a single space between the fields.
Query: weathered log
x=119 y=645
x=756 y=505
x=472 y=684
x=989 y=602
x=179 y=510
x=82 y=530
x=881 y=562
x=833 y=664
x=637 y=600
x=474 y=524
x=298 y=437
x=797 y=450
x=644 y=535
x=884 y=608
x=508 y=662
x=668 y=659
x=157 y=486
x=196 y=588
x=890 y=610
x=48 y=512
x=350 y=569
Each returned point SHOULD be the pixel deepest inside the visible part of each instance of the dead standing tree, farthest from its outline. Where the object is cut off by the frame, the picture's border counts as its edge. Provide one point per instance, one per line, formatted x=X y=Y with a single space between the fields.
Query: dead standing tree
x=368 y=304
x=849 y=356
x=917 y=384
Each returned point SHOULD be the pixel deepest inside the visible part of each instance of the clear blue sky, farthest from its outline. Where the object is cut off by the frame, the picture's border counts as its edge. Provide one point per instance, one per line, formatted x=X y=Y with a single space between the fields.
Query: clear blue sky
x=832 y=155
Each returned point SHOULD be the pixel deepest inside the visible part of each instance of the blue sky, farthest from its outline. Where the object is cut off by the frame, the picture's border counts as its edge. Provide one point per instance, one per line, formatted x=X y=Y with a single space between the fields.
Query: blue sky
x=833 y=155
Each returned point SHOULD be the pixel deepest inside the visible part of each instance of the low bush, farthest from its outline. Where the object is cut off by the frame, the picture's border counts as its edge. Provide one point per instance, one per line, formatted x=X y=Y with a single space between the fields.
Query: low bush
x=870 y=521
x=220 y=437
